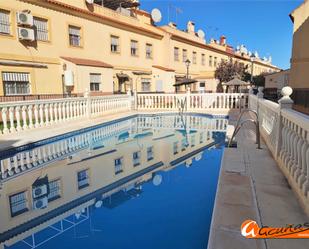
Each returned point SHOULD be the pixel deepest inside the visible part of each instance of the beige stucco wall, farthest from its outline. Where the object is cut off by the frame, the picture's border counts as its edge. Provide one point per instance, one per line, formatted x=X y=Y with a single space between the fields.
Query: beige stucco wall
x=300 y=55
x=277 y=80
x=82 y=77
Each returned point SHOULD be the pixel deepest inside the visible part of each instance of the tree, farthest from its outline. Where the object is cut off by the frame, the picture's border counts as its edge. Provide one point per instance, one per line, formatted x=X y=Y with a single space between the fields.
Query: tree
x=227 y=70
x=258 y=80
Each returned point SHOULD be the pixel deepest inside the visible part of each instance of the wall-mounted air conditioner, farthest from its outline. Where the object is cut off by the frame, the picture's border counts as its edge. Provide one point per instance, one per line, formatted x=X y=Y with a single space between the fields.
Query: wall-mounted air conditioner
x=39 y=191
x=24 y=18
x=68 y=78
x=40 y=203
x=26 y=34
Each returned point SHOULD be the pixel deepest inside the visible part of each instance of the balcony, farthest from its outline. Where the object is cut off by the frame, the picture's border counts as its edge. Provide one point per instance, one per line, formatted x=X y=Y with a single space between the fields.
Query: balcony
x=119 y=7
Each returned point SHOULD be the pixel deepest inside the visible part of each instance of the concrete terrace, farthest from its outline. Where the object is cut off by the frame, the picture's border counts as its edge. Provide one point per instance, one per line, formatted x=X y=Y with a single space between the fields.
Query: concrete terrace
x=251 y=186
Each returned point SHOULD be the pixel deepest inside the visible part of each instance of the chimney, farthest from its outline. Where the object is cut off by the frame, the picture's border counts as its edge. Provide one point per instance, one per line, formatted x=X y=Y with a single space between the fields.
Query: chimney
x=172 y=25
x=222 y=40
x=191 y=27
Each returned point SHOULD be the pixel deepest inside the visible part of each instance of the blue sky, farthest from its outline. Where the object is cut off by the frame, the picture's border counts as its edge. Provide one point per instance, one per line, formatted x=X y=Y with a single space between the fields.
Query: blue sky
x=261 y=25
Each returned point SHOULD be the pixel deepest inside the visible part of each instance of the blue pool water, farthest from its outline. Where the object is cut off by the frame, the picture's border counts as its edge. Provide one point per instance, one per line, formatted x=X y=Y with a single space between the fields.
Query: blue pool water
x=147 y=181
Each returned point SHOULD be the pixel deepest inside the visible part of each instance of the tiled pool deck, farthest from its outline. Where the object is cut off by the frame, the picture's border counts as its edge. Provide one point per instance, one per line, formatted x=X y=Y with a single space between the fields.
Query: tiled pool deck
x=251 y=186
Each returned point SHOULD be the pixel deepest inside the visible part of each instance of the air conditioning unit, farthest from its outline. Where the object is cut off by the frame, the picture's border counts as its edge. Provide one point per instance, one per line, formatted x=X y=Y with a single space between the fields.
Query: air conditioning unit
x=123 y=11
x=68 y=78
x=39 y=191
x=24 y=18
x=40 y=203
x=26 y=34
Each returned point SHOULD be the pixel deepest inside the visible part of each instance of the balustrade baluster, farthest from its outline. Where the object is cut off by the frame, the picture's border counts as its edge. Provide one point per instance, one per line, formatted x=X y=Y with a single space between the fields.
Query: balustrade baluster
x=11 y=117
x=41 y=112
x=56 y=119
x=46 y=109
x=24 y=117
x=36 y=116
x=51 y=113
x=4 y=112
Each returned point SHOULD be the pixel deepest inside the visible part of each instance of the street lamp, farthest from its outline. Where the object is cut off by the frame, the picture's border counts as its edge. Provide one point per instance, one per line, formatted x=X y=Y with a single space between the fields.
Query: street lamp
x=187 y=62
x=252 y=58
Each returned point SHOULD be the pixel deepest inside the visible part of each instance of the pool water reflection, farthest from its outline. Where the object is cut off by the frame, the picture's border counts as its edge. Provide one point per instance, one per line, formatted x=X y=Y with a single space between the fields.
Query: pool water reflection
x=147 y=181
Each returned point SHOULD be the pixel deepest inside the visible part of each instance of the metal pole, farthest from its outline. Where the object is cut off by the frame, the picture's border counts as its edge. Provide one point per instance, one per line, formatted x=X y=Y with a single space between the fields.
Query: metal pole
x=188 y=72
x=252 y=70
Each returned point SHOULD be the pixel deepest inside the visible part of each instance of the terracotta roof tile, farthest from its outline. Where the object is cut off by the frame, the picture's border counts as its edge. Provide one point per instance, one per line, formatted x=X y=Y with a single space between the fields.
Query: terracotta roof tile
x=87 y=62
x=164 y=68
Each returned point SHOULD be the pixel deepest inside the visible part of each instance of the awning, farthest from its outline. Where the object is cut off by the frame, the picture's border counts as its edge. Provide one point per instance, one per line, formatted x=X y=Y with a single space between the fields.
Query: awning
x=185 y=82
x=22 y=63
x=164 y=68
x=236 y=82
x=142 y=73
x=87 y=62
x=122 y=76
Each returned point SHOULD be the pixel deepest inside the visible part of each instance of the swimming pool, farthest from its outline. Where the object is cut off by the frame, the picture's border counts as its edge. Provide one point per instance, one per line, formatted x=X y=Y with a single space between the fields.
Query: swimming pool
x=145 y=181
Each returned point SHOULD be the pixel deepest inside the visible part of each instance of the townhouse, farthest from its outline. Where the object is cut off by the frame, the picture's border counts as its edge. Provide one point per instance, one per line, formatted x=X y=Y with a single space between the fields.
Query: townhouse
x=60 y=47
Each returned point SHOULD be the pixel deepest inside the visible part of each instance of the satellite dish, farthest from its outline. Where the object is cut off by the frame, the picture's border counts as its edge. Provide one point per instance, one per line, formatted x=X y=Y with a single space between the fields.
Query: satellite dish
x=156 y=15
x=98 y=204
x=199 y=156
x=201 y=34
x=157 y=180
x=89 y=1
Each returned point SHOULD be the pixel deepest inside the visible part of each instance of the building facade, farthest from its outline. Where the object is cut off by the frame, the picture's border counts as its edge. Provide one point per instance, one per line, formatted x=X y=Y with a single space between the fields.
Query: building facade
x=56 y=47
x=299 y=79
x=277 y=80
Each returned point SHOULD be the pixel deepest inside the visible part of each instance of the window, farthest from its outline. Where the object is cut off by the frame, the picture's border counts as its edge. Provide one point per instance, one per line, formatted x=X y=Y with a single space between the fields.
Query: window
x=183 y=144
x=176 y=54
x=95 y=82
x=115 y=47
x=175 y=148
x=83 y=179
x=16 y=83
x=146 y=85
x=5 y=25
x=41 y=29
x=201 y=137
x=18 y=203
x=75 y=36
x=136 y=158
x=194 y=57
x=149 y=51
x=54 y=190
x=118 y=165
x=149 y=153
x=202 y=84
x=192 y=141
x=184 y=55
x=215 y=62
x=210 y=61
x=134 y=48
x=203 y=59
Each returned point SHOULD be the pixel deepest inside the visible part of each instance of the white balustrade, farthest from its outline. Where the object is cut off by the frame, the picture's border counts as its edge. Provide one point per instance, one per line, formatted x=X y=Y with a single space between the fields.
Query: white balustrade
x=286 y=133
x=192 y=102
x=23 y=115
